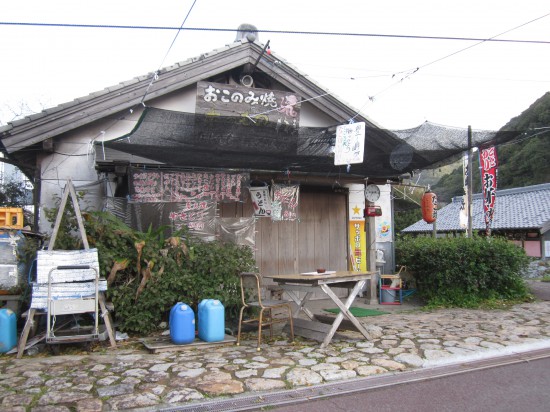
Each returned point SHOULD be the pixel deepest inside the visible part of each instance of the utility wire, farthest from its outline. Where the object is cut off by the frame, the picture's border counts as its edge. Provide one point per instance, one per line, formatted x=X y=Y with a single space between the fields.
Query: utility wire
x=156 y=74
x=314 y=33
x=482 y=41
x=408 y=73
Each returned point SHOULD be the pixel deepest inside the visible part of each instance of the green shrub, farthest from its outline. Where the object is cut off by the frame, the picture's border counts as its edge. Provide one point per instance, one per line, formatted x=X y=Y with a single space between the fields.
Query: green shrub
x=149 y=273
x=210 y=271
x=464 y=272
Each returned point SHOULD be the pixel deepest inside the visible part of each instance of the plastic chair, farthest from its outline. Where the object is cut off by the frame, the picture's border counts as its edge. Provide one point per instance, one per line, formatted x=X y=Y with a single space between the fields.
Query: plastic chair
x=251 y=294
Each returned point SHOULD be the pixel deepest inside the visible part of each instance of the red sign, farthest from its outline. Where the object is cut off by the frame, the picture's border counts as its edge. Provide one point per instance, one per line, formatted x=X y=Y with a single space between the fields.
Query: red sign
x=373 y=211
x=489 y=163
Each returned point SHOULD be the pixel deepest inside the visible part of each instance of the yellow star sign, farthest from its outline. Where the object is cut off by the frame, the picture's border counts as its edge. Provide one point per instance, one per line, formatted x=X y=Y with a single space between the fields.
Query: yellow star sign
x=356 y=210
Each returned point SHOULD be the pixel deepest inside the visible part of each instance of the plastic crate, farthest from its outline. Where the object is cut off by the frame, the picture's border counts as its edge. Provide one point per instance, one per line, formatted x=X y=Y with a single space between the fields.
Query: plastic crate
x=11 y=217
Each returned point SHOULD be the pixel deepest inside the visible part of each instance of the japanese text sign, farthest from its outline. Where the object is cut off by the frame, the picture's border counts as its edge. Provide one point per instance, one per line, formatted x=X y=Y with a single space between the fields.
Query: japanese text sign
x=261 y=201
x=489 y=163
x=255 y=106
x=285 y=202
x=150 y=186
x=350 y=144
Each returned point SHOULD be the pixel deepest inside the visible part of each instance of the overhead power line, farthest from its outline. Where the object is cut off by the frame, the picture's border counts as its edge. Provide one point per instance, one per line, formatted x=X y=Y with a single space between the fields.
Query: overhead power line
x=155 y=76
x=315 y=33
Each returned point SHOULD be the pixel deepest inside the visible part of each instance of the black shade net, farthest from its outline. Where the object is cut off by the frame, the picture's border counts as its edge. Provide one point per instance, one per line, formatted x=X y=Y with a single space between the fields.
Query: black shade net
x=189 y=140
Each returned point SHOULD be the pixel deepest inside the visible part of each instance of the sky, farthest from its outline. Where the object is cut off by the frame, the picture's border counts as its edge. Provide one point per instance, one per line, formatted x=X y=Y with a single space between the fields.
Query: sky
x=396 y=82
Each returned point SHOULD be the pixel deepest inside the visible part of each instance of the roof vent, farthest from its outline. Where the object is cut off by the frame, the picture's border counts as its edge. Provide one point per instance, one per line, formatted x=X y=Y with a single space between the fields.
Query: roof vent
x=247 y=80
x=248 y=32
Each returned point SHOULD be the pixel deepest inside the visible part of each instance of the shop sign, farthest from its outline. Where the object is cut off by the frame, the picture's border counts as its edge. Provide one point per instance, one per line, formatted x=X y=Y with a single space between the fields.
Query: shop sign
x=256 y=107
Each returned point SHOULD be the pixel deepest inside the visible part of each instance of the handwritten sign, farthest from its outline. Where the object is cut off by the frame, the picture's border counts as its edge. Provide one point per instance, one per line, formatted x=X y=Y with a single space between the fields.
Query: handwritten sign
x=196 y=215
x=151 y=186
x=350 y=144
x=285 y=202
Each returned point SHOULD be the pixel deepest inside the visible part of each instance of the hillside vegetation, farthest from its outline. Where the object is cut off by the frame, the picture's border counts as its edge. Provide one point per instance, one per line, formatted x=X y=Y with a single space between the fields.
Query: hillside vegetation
x=522 y=162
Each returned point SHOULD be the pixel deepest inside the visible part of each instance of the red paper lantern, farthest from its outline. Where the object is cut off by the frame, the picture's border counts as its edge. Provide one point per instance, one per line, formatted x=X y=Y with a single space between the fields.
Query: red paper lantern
x=429 y=207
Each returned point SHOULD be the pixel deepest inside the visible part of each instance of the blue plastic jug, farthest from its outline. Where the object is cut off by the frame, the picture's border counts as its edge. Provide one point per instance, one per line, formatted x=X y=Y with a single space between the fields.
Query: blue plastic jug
x=8 y=330
x=182 y=324
x=211 y=315
x=172 y=312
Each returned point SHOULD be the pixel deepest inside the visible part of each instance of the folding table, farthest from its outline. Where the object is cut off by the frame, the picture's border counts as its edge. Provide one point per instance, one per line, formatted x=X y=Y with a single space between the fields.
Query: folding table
x=311 y=282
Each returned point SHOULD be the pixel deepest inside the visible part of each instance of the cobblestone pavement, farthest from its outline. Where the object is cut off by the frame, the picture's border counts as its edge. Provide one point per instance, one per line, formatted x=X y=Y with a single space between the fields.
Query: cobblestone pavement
x=129 y=377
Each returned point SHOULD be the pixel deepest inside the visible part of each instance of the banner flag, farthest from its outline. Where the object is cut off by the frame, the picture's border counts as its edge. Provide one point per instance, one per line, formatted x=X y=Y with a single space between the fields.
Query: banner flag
x=489 y=163
x=463 y=216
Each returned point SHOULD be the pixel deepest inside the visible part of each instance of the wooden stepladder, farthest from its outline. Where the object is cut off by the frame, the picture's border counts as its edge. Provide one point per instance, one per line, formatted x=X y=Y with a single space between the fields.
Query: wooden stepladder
x=54 y=306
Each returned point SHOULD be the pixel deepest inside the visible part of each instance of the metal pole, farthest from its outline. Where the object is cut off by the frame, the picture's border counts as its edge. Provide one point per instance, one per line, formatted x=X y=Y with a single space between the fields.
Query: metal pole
x=371 y=248
x=470 y=181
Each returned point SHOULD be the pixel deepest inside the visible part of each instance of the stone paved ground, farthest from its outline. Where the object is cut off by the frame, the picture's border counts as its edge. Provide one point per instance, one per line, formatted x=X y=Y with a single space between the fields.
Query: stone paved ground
x=129 y=377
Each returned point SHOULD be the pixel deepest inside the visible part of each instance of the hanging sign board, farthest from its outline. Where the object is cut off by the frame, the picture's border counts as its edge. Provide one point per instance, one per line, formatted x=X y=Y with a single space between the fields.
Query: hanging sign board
x=285 y=202
x=261 y=201
x=350 y=144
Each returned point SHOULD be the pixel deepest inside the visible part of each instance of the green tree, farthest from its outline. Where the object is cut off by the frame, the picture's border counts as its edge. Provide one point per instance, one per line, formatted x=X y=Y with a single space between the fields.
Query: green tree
x=405 y=218
x=13 y=193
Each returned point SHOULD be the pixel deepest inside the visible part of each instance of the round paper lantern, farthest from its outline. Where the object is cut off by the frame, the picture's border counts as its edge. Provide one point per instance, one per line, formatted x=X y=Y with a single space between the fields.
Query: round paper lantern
x=429 y=207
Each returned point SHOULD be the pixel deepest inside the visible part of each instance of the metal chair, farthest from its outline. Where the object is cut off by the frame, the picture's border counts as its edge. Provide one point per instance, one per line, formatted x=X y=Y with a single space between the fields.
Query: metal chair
x=251 y=294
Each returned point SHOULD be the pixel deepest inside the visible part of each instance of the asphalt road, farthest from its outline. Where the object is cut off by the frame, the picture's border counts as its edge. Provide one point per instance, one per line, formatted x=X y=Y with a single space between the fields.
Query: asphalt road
x=514 y=387
x=541 y=290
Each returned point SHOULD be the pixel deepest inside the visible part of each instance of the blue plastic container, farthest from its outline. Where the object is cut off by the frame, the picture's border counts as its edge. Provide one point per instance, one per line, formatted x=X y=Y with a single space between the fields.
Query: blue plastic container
x=182 y=324
x=211 y=320
x=8 y=330
x=172 y=312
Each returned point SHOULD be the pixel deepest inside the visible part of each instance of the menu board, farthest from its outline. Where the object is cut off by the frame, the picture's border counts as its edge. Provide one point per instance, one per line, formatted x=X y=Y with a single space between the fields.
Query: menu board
x=152 y=186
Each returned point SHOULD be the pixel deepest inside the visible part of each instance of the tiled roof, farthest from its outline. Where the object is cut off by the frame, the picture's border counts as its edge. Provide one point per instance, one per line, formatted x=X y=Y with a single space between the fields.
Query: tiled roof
x=519 y=208
x=21 y=133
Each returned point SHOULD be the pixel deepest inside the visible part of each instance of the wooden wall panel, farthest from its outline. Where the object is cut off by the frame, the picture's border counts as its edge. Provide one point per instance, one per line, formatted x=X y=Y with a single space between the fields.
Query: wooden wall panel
x=269 y=246
x=306 y=233
x=338 y=227
x=322 y=219
x=228 y=210
x=317 y=239
x=288 y=248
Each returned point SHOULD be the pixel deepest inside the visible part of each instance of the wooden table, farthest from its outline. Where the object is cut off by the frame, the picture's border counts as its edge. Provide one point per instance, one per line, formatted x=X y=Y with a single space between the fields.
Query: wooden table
x=311 y=283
